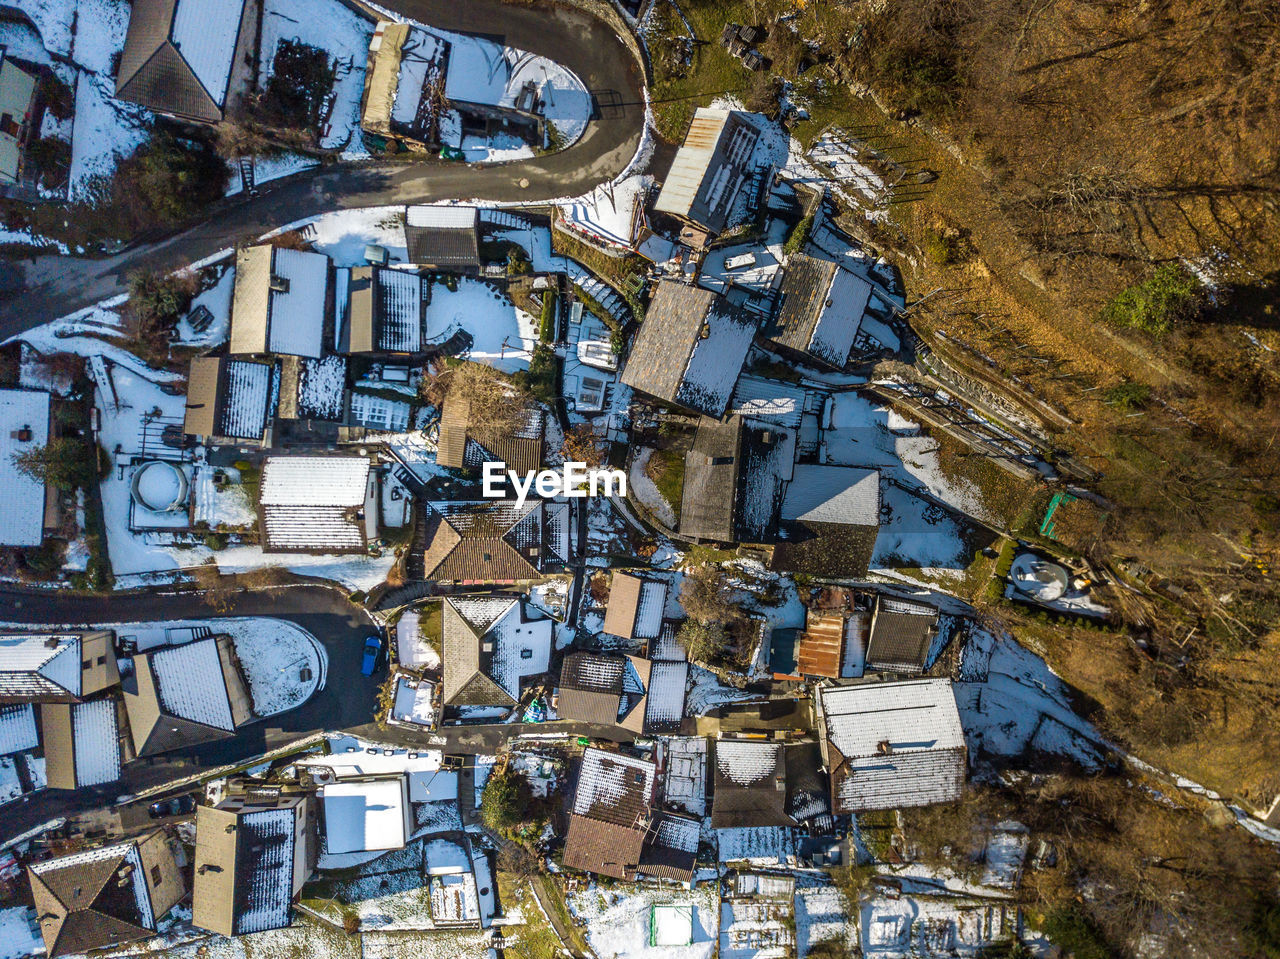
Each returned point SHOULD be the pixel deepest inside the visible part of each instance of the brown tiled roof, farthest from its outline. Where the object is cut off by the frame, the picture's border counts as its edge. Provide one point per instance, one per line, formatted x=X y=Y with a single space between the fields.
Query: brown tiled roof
x=708 y=503
x=466 y=681
x=624 y=601
x=463 y=445
x=82 y=907
x=602 y=847
x=203 y=381
x=154 y=73
x=591 y=687
x=483 y=541
x=750 y=787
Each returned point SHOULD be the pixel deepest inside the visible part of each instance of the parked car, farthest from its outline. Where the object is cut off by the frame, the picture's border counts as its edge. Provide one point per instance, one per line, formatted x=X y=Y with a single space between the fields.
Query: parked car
x=174 y=806
x=372 y=655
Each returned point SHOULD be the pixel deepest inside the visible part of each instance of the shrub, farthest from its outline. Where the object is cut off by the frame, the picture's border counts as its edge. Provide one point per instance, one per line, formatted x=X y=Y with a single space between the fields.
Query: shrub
x=703 y=642
x=505 y=800
x=518 y=262
x=1262 y=930
x=798 y=235
x=945 y=247
x=301 y=78
x=1157 y=303
x=547 y=327
x=215 y=540
x=1076 y=934
x=65 y=462
x=1127 y=396
x=168 y=180
x=156 y=302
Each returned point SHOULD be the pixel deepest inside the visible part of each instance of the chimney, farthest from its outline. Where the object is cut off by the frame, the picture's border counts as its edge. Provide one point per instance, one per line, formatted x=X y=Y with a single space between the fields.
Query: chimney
x=884 y=748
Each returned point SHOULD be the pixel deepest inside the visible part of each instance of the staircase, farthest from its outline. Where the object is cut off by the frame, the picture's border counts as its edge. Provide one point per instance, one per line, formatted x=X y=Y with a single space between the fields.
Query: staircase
x=247 y=179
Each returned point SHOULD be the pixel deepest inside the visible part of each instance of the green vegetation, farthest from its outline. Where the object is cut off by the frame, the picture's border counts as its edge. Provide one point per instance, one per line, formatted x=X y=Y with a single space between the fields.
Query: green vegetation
x=518 y=262
x=547 y=323
x=65 y=463
x=702 y=641
x=1127 y=396
x=1076 y=934
x=156 y=302
x=1155 y=304
x=508 y=806
x=666 y=469
x=945 y=247
x=1262 y=930
x=541 y=381
x=166 y=181
x=798 y=236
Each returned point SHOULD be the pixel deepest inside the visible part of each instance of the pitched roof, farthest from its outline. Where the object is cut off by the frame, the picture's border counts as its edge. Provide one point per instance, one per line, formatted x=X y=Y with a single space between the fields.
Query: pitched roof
x=664 y=708
x=901 y=635
x=178 y=696
x=709 y=168
x=385 y=311
x=750 y=784
x=314 y=503
x=178 y=56
x=92 y=899
x=24 y=426
x=603 y=847
x=690 y=348
x=821 y=646
x=672 y=848
x=591 y=687
x=614 y=788
x=18 y=729
x=708 y=504
x=820 y=310
x=892 y=744
x=832 y=550
x=472 y=628
x=40 y=667
x=443 y=236
x=483 y=540
x=244 y=868
x=833 y=494
x=635 y=607
x=466 y=445
x=278 y=303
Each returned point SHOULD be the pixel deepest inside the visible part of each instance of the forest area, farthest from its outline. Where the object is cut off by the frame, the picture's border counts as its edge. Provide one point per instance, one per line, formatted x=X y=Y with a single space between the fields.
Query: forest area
x=1104 y=232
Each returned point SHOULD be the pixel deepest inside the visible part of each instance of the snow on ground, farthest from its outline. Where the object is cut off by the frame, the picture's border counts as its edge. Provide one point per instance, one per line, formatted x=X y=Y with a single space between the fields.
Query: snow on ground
x=106 y=130
x=1011 y=703
x=222 y=507
x=412 y=650
x=413 y=702
x=343 y=234
x=617 y=920
x=10 y=784
x=27 y=238
x=18 y=936
x=502 y=336
x=821 y=916
x=646 y=492
x=334 y=28
x=274 y=654
x=608 y=213
x=217 y=299
x=355 y=571
x=706 y=692
x=266 y=169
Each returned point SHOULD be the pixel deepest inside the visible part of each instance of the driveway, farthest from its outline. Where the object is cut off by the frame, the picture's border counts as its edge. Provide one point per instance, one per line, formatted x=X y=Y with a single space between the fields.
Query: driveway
x=53 y=286
x=348 y=698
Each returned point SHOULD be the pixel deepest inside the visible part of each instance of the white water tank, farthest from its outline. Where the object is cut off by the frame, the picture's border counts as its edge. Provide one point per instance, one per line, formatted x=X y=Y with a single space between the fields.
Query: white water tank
x=160 y=487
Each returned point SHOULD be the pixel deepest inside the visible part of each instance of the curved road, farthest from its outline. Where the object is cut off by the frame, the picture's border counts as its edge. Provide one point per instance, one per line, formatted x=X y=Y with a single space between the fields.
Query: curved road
x=348 y=699
x=53 y=286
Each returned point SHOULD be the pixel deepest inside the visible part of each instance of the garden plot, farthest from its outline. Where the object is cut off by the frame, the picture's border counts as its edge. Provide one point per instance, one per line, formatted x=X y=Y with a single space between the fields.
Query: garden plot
x=330 y=26
x=502 y=336
x=823 y=917
x=618 y=920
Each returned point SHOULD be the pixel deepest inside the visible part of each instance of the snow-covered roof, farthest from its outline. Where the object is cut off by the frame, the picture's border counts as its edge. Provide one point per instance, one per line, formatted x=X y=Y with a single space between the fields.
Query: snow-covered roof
x=665 y=708
x=314 y=480
x=366 y=815
x=205 y=33
x=297 y=316
x=614 y=788
x=747 y=762
x=266 y=878
x=244 y=415
x=442 y=217
x=709 y=168
x=833 y=494
x=685 y=784
x=897 y=744
x=771 y=400
x=322 y=387
x=399 y=327
x=191 y=685
x=18 y=729
x=838 y=320
x=716 y=360
x=39 y=665
x=24 y=426
x=96 y=738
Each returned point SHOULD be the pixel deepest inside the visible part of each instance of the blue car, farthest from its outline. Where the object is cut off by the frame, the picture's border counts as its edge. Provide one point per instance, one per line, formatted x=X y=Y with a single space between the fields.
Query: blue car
x=372 y=653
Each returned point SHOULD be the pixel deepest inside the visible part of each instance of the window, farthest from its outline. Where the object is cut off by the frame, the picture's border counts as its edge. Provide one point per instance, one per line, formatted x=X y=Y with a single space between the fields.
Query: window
x=526 y=654
x=9 y=126
x=102 y=660
x=156 y=877
x=86 y=664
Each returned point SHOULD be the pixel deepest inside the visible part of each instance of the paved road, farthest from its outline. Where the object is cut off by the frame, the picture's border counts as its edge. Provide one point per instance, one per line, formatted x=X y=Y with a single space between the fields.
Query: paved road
x=53 y=286
x=348 y=698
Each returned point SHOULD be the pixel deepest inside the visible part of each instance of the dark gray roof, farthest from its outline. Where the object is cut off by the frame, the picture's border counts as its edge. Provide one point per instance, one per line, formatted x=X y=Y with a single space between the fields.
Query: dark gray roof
x=591 y=687
x=443 y=236
x=901 y=635
x=690 y=348
x=154 y=73
x=711 y=468
x=804 y=289
x=750 y=784
x=468 y=665
x=830 y=550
